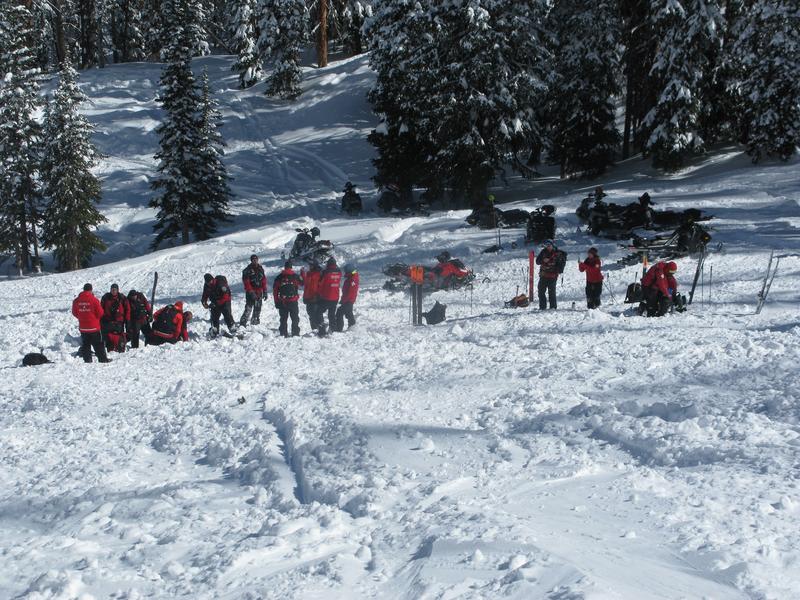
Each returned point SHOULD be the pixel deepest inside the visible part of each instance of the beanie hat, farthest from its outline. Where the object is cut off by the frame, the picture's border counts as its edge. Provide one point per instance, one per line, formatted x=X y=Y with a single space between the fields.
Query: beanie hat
x=87 y=287
x=114 y=286
x=592 y=250
x=287 y=264
x=208 y=277
x=252 y=256
x=178 y=305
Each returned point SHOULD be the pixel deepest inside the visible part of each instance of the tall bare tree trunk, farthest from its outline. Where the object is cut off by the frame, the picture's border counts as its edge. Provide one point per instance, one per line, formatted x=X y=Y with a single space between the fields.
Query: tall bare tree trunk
x=322 y=34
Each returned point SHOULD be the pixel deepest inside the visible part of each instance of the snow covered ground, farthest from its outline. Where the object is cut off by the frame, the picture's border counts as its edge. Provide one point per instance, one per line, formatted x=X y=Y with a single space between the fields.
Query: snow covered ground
x=501 y=454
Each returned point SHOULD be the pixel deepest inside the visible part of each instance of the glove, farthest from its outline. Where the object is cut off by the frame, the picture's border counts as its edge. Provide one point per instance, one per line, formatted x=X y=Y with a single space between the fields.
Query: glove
x=276 y=305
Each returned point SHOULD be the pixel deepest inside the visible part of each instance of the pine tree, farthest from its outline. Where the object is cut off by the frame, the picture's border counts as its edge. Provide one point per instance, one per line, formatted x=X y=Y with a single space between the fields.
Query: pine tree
x=284 y=28
x=769 y=57
x=584 y=84
x=212 y=176
x=71 y=216
x=20 y=136
x=352 y=14
x=687 y=35
x=192 y=185
x=126 y=31
x=245 y=35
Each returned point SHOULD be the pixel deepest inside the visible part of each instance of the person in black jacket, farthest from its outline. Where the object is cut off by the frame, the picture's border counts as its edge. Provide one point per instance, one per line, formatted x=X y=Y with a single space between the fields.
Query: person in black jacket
x=286 y=293
x=255 y=285
x=551 y=263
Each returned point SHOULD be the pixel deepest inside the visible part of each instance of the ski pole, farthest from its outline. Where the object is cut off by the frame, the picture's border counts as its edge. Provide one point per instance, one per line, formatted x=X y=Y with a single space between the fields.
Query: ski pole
x=710 y=280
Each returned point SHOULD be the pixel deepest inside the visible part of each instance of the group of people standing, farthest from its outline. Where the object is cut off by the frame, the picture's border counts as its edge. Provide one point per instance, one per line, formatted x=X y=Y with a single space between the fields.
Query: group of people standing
x=329 y=290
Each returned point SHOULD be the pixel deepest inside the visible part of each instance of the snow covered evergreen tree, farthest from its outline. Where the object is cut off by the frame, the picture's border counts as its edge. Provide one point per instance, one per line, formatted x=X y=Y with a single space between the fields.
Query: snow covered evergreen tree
x=212 y=176
x=126 y=31
x=20 y=136
x=284 y=29
x=72 y=191
x=584 y=83
x=768 y=49
x=349 y=17
x=470 y=75
x=186 y=204
x=245 y=35
x=687 y=32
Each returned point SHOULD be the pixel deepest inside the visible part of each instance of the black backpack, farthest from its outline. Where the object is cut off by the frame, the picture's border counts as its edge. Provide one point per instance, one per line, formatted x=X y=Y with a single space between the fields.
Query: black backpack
x=634 y=294
x=220 y=288
x=164 y=322
x=35 y=359
x=561 y=260
x=288 y=288
x=436 y=314
x=138 y=304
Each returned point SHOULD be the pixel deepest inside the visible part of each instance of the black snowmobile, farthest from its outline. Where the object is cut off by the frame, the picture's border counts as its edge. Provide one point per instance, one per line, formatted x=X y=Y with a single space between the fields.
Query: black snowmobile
x=351 y=201
x=491 y=217
x=689 y=238
x=396 y=203
x=309 y=249
x=541 y=225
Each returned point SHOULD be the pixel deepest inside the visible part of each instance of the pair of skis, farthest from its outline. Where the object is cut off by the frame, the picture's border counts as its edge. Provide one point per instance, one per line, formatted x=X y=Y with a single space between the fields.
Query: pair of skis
x=772 y=269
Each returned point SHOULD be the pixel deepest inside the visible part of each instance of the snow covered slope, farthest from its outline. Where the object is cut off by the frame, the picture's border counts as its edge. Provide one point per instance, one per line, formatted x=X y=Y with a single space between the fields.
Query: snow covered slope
x=501 y=454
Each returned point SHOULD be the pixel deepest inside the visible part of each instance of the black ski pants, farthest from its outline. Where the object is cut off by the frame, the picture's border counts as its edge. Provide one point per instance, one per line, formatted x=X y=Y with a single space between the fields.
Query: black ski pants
x=593 y=293
x=314 y=310
x=328 y=306
x=345 y=310
x=656 y=303
x=286 y=310
x=547 y=291
x=225 y=312
x=94 y=340
x=134 y=329
x=252 y=304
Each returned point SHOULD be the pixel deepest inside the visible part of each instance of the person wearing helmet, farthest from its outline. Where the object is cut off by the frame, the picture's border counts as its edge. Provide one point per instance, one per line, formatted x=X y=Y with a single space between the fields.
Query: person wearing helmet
x=349 y=295
x=329 y=294
x=351 y=201
x=255 y=286
x=594 y=278
x=659 y=287
x=551 y=263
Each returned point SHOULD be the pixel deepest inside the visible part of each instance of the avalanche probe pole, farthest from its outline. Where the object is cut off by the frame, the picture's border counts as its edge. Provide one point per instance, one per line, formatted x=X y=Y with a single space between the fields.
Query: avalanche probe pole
x=531 y=265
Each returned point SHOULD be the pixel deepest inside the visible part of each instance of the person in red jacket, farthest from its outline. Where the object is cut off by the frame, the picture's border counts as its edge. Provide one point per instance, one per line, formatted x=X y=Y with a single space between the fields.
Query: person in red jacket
x=329 y=294
x=311 y=281
x=594 y=278
x=349 y=295
x=116 y=315
x=659 y=288
x=286 y=293
x=170 y=325
x=87 y=309
x=447 y=271
x=255 y=286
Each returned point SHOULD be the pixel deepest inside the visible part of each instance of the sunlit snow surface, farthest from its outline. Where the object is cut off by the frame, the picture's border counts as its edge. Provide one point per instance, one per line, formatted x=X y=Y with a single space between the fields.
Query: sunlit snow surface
x=502 y=454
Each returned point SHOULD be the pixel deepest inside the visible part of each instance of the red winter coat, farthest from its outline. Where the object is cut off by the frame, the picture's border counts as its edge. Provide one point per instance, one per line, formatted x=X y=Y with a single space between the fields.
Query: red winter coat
x=658 y=277
x=177 y=329
x=350 y=288
x=254 y=279
x=286 y=276
x=591 y=266
x=548 y=261
x=329 y=285
x=311 y=282
x=216 y=293
x=449 y=269
x=115 y=308
x=87 y=309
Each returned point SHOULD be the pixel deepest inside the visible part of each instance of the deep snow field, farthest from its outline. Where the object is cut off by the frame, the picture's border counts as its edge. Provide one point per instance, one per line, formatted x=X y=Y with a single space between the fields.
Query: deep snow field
x=501 y=454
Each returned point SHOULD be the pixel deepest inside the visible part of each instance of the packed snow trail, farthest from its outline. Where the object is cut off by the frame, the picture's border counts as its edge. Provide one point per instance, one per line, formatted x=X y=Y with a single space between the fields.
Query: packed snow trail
x=503 y=453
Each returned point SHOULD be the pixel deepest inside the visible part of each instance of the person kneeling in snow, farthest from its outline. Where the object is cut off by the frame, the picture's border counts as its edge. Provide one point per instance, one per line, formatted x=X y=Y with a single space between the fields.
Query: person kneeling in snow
x=659 y=288
x=170 y=325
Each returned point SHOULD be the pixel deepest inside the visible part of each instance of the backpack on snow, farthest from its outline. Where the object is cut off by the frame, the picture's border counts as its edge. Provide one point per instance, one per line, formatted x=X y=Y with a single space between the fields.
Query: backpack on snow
x=165 y=320
x=519 y=301
x=436 y=314
x=34 y=359
x=634 y=294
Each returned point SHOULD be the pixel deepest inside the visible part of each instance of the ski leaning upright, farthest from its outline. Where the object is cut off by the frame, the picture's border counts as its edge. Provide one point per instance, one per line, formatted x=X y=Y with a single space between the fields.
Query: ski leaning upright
x=153 y=295
x=700 y=261
x=768 y=279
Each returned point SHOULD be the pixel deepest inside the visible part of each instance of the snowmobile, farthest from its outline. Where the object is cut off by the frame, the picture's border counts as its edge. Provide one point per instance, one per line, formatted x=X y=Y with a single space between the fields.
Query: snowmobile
x=689 y=238
x=351 y=201
x=309 y=249
x=400 y=276
x=489 y=217
x=394 y=202
x=541 y=225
